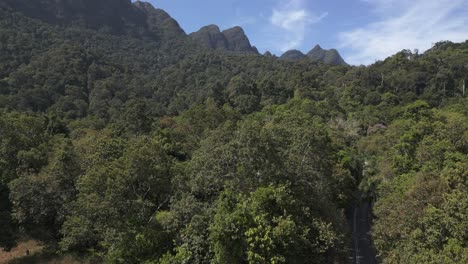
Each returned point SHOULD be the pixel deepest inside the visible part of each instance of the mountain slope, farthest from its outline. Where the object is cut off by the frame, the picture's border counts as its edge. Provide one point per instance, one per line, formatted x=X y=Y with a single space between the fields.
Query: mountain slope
x=137 y=19
x=159 y=21
x=89 y=13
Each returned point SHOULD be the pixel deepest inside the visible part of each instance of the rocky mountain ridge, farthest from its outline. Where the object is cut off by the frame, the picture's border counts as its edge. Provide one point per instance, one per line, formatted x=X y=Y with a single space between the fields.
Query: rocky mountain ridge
x=233 y=39
x=317 y=54
x=141 y=19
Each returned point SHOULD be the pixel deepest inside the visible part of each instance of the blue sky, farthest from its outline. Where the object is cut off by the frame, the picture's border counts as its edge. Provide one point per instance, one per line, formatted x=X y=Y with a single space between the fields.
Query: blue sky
x=362 y=30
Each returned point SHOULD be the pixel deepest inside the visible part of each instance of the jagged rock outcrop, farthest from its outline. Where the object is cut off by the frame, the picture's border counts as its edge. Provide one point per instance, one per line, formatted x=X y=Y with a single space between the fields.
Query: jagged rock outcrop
x=233 y=39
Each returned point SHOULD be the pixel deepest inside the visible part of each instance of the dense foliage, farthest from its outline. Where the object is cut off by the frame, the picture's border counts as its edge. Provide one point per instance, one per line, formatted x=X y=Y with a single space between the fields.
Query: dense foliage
x=419 y=166
x=129 y=149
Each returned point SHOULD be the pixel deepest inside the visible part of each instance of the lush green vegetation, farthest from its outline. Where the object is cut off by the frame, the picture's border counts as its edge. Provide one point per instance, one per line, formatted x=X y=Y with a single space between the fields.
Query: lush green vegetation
x=419 y=167
x=128 y=149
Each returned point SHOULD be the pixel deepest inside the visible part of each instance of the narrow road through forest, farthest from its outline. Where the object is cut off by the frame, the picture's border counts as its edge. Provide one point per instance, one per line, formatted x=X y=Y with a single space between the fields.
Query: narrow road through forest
x=363 y=251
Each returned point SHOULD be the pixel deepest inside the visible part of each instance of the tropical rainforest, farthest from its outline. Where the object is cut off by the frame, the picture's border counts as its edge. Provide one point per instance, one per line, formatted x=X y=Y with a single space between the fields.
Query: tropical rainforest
x=125 y=140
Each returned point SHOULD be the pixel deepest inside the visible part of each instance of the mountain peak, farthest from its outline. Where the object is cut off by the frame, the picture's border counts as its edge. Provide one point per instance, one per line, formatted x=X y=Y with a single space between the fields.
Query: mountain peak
x=292 y=55
x=232 y=39
x=159 y=21
x=332 y=56
x=144 y=6
x=236 y=29
x=238 y=41
x=268 y=54
x=211 y=28
x=317 y=48
x=209 y=37
x=317 y=54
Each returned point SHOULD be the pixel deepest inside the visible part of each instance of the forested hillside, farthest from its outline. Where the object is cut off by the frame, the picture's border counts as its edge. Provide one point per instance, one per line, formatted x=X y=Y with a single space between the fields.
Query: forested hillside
x=125 y=140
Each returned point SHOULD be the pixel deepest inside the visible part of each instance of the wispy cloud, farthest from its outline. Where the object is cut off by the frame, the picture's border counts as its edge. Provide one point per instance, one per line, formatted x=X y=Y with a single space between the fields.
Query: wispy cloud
x=404 y=24
x=292 y=18
x=243 y=20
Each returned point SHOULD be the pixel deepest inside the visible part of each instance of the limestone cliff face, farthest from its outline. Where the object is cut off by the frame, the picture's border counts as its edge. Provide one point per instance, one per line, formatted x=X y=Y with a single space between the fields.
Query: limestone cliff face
x=238 y=41
x=210 y=37
x=159 y=21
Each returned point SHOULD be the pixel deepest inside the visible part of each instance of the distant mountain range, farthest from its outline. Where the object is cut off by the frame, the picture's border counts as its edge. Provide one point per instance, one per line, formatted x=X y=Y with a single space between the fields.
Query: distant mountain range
x=141 y=19
x=233 y=39
x=317 y=54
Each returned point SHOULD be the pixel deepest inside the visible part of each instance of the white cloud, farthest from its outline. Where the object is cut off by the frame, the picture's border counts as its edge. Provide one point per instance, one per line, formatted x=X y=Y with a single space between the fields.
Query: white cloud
x=292 y=18
x=384 y=6
x=406 y=24
x=243 y=20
